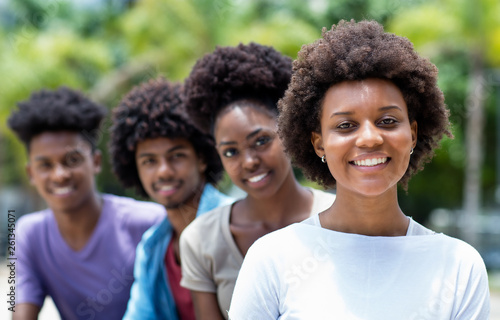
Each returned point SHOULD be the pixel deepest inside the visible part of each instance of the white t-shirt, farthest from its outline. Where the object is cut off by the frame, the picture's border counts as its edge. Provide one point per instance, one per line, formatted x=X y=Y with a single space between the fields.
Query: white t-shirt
x=305 y=271
x=210 y=257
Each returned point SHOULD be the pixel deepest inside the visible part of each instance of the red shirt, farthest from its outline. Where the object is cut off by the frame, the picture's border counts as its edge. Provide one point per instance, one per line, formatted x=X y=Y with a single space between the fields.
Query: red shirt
x=182 y=296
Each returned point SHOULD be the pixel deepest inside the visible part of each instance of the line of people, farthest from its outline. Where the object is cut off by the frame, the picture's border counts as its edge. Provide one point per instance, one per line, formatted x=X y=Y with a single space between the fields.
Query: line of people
x=359 y=111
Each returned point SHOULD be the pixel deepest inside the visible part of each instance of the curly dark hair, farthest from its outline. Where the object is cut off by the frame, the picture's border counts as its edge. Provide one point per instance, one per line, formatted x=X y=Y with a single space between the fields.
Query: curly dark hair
x=151 y=110
x=245 y=72
x=356 y=51
x=57 y=110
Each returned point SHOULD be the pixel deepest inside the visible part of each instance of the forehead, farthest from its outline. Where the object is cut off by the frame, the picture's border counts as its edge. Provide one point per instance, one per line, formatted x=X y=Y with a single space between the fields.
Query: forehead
x=242 y=119
x=363 y=94
x=53 y=144
x=163 y=144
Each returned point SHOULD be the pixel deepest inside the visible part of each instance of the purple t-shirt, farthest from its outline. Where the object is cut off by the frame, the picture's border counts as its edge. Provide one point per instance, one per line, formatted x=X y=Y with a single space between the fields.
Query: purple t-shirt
x=93 y=283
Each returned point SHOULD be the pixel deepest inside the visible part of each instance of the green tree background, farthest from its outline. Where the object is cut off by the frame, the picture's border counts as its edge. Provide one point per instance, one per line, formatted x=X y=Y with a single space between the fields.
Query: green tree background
x=106 y=47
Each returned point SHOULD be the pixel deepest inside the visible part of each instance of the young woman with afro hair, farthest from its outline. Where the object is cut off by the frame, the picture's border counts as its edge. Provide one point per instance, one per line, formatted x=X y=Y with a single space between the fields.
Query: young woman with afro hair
x=363 y=112
x=233 y=93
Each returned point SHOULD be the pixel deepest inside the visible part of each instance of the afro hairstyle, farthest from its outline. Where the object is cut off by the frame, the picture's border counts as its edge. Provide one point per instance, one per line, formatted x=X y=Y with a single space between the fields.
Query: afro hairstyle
x=245 y=72
x=63 y=109
x=357 y=51
x=151 y=110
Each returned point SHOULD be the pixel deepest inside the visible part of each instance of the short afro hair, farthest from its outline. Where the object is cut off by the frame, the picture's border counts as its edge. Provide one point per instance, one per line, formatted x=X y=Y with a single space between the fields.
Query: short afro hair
x=63 y=109
x=151 y=110
x=245 y=72
x=357 y=51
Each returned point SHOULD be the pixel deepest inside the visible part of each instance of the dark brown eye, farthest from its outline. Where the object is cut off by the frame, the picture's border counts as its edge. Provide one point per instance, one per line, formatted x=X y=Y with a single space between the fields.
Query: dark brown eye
x=73 y=160
x=229 y=153
x=345 y=125
x=262 y=140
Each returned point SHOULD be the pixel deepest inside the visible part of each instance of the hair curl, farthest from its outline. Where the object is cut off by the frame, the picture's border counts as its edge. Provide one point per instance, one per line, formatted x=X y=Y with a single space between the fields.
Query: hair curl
x=356 y=51
x=57 y=110
x=250 y=72
x=151 y=110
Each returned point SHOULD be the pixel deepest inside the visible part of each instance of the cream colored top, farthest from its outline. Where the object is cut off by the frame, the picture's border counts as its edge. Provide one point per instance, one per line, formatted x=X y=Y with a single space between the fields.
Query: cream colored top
x=210 y=257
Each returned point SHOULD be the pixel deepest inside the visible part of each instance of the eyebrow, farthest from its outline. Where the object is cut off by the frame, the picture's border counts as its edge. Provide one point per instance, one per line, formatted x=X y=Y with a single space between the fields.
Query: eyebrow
x=348 y=113
x=149 y=154
x=41 y=158
x=248 y=137
x=47 y=158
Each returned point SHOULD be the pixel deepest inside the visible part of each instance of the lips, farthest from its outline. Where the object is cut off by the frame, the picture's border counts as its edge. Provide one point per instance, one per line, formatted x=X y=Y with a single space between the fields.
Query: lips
x=165 y=189
x=370 y=162
x=62 y=191
x=258 y=178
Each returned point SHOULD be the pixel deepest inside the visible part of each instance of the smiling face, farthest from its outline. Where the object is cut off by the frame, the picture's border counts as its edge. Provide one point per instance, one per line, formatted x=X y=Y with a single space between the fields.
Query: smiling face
x=62 y=168
x=366 y=135
x=170 y=171
x=250 y=150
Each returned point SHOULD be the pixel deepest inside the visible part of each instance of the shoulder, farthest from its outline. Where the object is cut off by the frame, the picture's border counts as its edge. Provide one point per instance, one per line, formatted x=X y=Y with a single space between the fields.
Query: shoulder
x=460 y=250
x=209 y=223
x=32 y=221
x=133 y=211
x=209 y=234
x=32 y=230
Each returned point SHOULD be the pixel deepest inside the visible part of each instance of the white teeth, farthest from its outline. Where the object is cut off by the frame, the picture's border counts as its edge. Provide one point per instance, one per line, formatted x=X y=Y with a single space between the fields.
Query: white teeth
x=370 y=162
x=257 y=178
x=60 y=191
x=166 y=188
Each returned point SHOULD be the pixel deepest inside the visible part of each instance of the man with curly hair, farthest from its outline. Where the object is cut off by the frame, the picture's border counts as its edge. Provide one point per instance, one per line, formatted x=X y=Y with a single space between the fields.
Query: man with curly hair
x=81 y=250
x=156 y=149
x=363 y=112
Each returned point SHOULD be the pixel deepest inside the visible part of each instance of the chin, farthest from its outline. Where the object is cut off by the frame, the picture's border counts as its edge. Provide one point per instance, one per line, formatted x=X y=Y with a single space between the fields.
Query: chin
x=172 y=205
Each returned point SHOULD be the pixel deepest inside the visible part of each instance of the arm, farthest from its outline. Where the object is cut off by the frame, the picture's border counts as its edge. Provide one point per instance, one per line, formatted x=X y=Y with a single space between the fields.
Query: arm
x=29 y=284
x=473 y=292
x=206 y=306
x=26 y=311
x=197 y=275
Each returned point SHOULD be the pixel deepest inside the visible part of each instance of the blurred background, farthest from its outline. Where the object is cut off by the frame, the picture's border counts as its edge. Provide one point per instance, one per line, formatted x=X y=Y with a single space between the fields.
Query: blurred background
x=104 y=47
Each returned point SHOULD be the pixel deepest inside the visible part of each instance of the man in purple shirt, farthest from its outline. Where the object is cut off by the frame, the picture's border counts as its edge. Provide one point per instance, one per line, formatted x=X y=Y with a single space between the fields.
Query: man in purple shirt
x=81 y=250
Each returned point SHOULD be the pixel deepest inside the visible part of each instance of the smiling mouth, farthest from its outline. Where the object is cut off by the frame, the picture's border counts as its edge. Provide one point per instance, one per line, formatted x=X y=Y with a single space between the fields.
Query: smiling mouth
x=166 y=189
x=62 y=191
x=258 y=177
x=370 y=162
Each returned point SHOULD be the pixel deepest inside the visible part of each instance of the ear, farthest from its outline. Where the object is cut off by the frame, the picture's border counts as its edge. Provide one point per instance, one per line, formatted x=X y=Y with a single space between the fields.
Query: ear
x=414 y=131
x=29 y=173
x=97 y=161
x=317 y=142
x=202 y=165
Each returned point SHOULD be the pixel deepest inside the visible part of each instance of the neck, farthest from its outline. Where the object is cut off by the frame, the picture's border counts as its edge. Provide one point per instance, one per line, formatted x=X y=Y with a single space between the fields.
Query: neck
x=180 y=217
x=291 y=202
x=77 y=226
x=371 y=216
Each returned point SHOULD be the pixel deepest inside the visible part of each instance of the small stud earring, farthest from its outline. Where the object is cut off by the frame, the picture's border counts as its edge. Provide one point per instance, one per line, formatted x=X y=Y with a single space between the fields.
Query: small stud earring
x=323 y=159
x=411 y=151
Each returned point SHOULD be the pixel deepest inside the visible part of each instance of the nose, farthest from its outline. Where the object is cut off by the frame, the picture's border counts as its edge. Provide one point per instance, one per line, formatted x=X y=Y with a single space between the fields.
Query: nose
x=251 y=160
x=165 y=170
x=369 y=136
x=60 y=173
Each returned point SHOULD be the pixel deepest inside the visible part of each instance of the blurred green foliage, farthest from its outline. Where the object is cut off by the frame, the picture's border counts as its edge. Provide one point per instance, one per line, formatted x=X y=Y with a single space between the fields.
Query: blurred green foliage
x=106 y=47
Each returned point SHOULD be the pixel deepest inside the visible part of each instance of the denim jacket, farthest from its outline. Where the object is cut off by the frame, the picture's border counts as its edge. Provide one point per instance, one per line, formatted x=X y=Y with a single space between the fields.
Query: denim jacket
x=150 y=296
